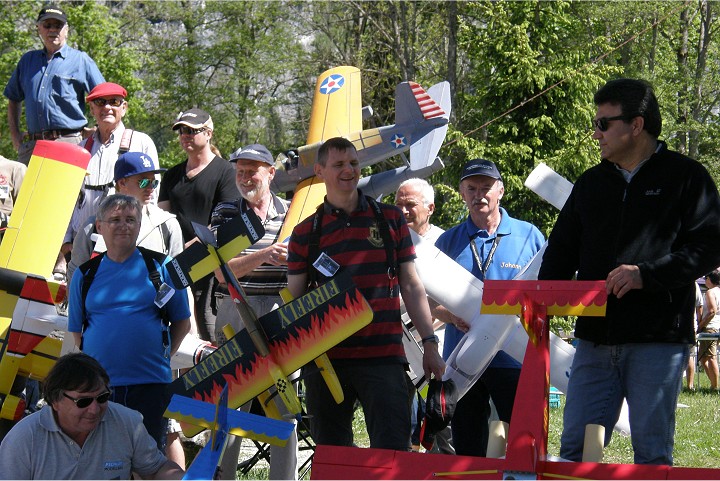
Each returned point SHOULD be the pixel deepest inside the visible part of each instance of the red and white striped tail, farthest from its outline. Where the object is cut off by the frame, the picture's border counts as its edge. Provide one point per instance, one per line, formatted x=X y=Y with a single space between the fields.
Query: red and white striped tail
x=428 y=107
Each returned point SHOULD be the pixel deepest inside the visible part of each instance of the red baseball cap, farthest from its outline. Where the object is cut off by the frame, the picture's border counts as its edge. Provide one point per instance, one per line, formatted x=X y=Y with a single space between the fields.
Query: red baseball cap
x=107 y=89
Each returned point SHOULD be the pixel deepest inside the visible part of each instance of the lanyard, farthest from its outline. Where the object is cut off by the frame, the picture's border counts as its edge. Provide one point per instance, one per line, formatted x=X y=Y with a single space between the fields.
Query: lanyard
x=473 y=248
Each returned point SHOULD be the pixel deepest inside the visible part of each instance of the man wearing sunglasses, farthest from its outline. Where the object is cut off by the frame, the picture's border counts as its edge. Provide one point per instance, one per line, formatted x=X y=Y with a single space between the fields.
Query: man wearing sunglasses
x=645 y=220
x=51 y=82
x=78 y=434
x=108 y=106
x=159 y=230
x=191 y=190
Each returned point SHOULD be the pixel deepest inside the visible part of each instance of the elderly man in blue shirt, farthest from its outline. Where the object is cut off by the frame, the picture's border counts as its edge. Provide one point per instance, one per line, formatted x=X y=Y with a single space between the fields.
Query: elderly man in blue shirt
x=52 y=82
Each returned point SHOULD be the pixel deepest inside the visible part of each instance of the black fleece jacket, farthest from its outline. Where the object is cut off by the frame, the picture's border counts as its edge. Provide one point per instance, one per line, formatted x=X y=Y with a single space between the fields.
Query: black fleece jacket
x=666 y=220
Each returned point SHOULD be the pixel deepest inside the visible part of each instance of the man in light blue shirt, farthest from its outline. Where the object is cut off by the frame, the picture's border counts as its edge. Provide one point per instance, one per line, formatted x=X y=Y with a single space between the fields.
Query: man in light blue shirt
x=52 y=83
x=491 y=245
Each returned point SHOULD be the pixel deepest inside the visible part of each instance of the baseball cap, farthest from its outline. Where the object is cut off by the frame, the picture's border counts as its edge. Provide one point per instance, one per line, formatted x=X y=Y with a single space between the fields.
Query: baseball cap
x=131 y=163
x=253 y=152
x=194 y=118
x=107 y=89
x=51 y=11
x=480 y=167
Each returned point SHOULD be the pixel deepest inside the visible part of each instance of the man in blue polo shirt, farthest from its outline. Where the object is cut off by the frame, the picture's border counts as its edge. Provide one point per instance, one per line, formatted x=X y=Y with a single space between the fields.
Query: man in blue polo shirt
x=53 y=83
x=491 y=245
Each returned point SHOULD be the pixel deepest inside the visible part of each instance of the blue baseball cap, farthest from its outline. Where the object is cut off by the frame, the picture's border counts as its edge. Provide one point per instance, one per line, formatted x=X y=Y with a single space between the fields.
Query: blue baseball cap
x=480 y=167
x=256 y=152
x=131 y=163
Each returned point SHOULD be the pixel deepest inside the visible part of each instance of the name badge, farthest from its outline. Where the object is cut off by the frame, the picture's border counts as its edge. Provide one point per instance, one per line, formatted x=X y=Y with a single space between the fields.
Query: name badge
x=326 y=265
x=163 y=295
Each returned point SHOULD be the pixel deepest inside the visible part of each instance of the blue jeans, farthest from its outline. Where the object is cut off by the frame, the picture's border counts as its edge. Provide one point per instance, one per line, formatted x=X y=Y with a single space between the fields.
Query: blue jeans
x=647 y=375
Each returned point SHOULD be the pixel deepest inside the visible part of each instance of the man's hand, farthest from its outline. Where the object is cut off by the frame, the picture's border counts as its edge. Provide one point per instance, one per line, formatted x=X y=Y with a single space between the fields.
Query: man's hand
x=276 y=254
x=622 y=279
x=432 y=361
x=443 y=314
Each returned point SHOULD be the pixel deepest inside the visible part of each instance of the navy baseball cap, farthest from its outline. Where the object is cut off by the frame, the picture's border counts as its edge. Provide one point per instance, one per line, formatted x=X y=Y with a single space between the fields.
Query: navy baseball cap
x=131 y=163
x=480 y=167
x=253 y=152
x=51 y=12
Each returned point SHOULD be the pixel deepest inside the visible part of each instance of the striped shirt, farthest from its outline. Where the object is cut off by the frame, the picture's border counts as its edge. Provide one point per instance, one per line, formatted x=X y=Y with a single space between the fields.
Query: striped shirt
x=355 y=243
x=267 y=279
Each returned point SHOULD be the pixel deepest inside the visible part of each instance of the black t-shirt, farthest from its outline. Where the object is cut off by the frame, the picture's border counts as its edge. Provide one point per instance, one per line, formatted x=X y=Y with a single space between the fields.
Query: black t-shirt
x=192 y=200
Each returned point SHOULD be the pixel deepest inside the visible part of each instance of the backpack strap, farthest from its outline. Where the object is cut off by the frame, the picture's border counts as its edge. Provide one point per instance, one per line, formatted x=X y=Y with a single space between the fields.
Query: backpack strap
x=125 y=141
x=150 y=256
x=88 y=269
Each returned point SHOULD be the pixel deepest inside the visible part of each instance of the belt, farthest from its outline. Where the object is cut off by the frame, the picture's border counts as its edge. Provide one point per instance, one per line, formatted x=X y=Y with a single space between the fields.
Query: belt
x=98 y=188
x=52 y=134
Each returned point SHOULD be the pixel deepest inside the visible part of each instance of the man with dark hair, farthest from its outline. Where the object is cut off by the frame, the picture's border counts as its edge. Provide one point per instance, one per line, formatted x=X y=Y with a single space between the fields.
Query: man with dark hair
x=124 y=313
x=78 y=434
x=52 y=83
x=371 y=241
x=646 y=221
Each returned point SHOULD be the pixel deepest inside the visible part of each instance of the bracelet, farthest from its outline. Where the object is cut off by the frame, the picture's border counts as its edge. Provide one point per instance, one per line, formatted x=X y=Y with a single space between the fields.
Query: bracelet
x=432 y=338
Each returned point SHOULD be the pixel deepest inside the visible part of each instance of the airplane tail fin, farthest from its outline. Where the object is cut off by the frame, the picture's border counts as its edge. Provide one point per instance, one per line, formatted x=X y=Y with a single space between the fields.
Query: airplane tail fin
x=424 y=152
x=414 y=105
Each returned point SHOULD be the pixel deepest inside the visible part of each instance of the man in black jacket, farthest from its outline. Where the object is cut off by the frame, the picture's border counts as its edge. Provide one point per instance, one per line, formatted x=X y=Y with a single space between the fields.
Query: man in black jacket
x=647 y=220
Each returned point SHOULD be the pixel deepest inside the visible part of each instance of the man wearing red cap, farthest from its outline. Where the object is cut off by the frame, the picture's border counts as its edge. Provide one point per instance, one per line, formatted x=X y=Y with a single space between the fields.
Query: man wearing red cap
x=52 y=83
x=108 y=107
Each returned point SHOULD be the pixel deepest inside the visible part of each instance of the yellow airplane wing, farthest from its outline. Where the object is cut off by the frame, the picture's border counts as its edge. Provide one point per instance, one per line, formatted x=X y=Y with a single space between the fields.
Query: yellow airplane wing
x=40 y=218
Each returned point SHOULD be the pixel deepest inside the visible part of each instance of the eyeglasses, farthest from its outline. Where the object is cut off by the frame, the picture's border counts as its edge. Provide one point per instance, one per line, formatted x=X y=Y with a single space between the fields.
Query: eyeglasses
x=112 y=102
x=83 y=402
x=52 y=25
x=184 y=130
x=603 y=123
x=144 y=183
x=116 y=222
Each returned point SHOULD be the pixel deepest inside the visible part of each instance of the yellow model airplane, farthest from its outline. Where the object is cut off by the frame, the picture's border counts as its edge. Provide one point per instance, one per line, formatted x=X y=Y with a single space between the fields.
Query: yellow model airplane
x=421 y=120
x=27 y=255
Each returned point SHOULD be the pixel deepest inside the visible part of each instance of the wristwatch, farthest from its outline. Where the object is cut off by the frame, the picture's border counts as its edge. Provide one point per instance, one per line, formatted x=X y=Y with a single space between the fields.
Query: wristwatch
x=432 y=338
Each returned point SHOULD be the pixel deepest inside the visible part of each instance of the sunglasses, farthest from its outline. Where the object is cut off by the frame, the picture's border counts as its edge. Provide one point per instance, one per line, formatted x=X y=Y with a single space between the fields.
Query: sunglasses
x=184 y=130
x=83 y=402
x=603 y=123
x=112 y=102
x=144 y=183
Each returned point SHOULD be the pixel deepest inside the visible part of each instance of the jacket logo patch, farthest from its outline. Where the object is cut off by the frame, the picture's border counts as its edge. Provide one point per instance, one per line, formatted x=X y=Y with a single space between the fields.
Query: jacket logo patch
x=374 y=237
x=653 y=192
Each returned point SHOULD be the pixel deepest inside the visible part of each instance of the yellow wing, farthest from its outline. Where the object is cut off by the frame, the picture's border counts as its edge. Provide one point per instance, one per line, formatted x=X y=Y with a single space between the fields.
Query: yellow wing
x=40 y=218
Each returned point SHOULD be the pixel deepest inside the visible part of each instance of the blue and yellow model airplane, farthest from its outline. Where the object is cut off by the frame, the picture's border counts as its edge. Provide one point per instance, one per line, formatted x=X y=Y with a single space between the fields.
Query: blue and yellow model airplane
x=223 y=421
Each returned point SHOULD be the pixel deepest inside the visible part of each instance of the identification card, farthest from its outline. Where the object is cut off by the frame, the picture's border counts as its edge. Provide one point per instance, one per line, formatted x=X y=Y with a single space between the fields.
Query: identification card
x=163 y=295
x=4 y=192
x=326 y=265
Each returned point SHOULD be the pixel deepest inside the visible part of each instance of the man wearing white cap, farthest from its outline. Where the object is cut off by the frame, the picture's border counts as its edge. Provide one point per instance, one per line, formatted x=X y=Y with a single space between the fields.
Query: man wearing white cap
x=190 y=190
x=108 y=106
x=51 y=82
x=261 y=270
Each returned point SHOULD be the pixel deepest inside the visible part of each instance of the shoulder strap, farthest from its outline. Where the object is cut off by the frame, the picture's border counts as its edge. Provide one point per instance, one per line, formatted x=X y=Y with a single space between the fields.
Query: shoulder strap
x=150 y=256
x=89 y=144
x=314 y=245
x=88 y=269
x=384 y=227
x=125 y=141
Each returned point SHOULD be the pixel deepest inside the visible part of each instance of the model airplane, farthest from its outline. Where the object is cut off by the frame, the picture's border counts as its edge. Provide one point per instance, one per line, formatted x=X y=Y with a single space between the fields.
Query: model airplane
x=526 y=456
x=277 y=344
x=223 y=421
x=27 y=301
x=421 y=120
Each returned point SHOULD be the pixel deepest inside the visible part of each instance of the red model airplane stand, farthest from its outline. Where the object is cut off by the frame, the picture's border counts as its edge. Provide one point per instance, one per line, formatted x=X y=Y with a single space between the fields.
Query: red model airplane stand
x=526 y=455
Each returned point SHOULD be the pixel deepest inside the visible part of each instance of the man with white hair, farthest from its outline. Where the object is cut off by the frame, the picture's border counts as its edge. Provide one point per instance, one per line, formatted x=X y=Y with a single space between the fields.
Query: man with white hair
x=416 y=198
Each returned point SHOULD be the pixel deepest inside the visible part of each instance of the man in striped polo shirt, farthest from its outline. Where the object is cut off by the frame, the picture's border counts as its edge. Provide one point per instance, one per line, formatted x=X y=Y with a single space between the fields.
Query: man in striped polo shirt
x=352 y=233
x=261 y=270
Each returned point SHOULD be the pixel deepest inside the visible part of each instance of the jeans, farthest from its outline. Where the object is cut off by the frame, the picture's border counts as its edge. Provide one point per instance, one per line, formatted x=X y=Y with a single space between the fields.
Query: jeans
x=647 y=375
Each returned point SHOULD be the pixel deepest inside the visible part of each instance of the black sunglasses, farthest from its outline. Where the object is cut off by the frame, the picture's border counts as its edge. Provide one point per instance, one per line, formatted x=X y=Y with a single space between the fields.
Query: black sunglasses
x=184 y=130
x=112 y=102
x=83 y=402
x=603 y=123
